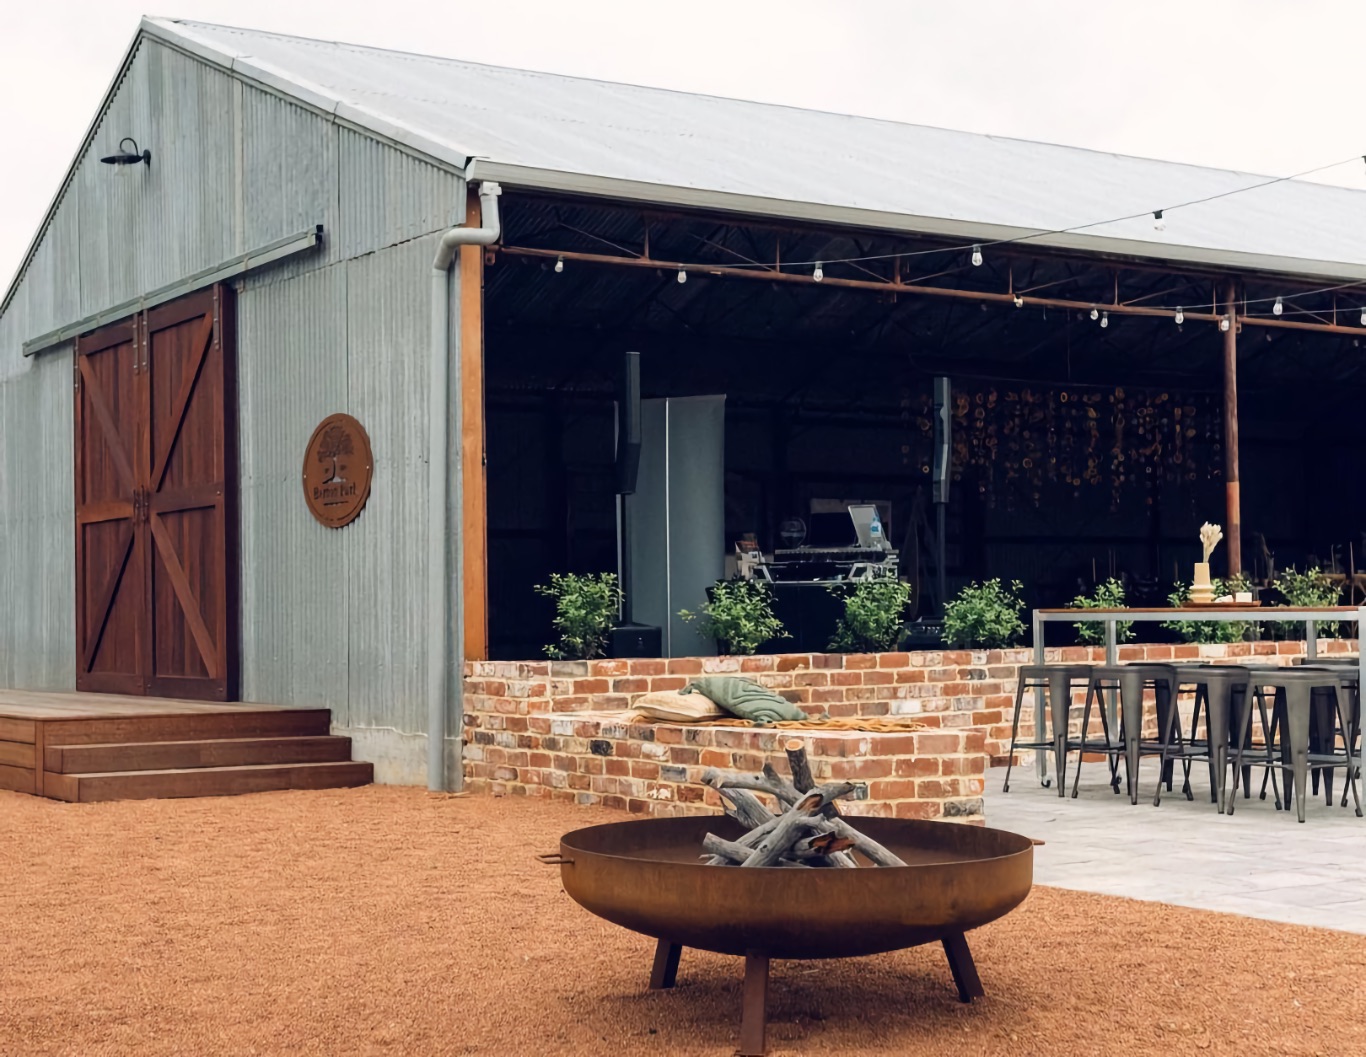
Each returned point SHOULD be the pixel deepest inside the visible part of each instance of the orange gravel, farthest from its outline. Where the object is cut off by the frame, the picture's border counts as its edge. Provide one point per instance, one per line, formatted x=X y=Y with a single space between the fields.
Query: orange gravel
x=383 y=920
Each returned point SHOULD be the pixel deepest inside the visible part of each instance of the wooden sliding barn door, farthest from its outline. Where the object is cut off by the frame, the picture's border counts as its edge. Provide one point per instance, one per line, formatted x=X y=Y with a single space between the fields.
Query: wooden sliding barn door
x=155 y=511
x=111 y=554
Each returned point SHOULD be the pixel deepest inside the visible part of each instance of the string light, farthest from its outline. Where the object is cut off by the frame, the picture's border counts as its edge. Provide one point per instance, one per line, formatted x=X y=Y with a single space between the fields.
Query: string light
x=1159 y=223
x=1180 y=315
x=1019 y=301
x=1105 y=319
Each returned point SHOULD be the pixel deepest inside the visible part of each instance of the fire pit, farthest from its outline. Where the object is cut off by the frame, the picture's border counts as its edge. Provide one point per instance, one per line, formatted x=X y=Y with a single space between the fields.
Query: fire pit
x=646 y=876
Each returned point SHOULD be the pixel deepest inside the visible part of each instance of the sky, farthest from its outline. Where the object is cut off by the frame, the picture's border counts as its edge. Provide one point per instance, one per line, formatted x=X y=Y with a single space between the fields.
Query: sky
x=1265 y=86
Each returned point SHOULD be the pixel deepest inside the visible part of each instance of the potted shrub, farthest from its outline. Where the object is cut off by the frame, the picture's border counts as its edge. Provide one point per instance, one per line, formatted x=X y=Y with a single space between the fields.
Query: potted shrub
x=873 y=619
x=739 y=616
x=985 y=616
x=586 y=607
x=1106 y=595
x=1309 y=588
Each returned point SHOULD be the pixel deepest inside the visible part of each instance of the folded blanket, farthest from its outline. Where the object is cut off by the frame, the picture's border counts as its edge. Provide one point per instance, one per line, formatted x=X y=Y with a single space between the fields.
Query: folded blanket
x=871 y=725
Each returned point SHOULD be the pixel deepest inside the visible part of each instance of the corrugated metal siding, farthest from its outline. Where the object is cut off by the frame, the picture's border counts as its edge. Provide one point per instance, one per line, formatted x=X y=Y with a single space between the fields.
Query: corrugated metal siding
x=292 y=363
x=37 y=617
x=388 y=315
x=329 y=617
x=145 y=226
x=289 y=173
x=389 y=197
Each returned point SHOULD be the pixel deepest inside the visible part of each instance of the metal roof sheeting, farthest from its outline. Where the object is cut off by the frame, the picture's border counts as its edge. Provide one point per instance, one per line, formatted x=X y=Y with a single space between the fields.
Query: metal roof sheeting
x=573 y=134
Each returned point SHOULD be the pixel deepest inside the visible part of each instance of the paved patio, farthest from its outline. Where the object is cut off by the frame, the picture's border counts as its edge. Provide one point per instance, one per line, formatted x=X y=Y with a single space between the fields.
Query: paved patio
x=1259 y=863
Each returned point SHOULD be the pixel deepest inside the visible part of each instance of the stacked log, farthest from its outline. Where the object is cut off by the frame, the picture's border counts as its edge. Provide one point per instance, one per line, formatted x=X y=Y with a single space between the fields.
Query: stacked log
x=804 y=828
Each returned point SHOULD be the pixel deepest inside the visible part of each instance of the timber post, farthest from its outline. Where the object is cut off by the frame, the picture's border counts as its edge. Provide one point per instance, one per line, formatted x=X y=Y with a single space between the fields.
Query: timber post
x=1233 y=501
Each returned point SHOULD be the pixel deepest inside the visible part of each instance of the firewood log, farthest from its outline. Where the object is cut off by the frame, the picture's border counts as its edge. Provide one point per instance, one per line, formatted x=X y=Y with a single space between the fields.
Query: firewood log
x=745 y=807
x=863 y=843
x=799 y=819
x=769 y=782
x=824 y=847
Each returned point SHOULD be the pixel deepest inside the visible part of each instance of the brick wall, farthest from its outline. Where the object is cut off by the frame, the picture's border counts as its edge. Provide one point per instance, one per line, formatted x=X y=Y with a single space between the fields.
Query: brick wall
x=656 y=768
x=539 y=728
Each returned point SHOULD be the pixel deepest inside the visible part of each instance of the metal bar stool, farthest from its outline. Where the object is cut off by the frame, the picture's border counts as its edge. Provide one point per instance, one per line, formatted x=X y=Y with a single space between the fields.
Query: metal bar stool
x=1322 y=714
x=1058 y=680
x=1129 y=681
x=1264 y=755
x=1216 y=687
x=1295 y=690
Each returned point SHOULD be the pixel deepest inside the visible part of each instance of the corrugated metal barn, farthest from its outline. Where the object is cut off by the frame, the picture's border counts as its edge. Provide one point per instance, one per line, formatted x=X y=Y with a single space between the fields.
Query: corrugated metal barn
x=302 y=191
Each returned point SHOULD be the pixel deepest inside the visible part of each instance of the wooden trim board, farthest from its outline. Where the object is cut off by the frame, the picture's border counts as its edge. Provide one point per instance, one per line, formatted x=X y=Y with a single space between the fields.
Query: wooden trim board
x=474 y=516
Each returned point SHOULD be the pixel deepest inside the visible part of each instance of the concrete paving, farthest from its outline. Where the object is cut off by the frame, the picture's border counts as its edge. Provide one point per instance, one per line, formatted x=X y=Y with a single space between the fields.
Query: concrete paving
x=1259 y=862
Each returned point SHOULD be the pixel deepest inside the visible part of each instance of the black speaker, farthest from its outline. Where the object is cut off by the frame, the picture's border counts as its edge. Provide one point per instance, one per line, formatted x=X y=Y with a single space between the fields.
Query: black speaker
x=636 y=640
x=628 y=425
x=943 y=437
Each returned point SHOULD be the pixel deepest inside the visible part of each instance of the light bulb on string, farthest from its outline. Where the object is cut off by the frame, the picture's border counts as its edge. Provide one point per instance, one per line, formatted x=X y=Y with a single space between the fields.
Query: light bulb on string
x=1180 y=315
x=819 y=273
x=1019 y=301
x=682 y=276
x=1223 y=323
x=559 y=265
x=1105 y=319
x=1278 y=307
x=1363 y=317
x=1095 y=313
x=976 y=256
x=1158 y=223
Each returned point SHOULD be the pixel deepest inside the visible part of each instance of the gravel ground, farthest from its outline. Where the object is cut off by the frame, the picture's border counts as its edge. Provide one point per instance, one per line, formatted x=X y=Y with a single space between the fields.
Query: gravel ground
x=383 y=920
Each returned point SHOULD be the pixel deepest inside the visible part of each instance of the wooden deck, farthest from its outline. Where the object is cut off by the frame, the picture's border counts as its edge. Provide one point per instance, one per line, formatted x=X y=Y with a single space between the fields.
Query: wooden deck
x=87 y=747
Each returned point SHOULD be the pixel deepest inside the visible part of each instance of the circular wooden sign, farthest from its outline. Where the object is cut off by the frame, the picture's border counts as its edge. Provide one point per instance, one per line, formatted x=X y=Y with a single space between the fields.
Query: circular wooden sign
x=337 y=470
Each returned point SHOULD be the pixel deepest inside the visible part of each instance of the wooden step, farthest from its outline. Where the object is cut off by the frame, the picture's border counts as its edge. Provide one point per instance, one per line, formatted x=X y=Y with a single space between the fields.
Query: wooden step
x=190 y=726
x=104 y=757
x=205 y=781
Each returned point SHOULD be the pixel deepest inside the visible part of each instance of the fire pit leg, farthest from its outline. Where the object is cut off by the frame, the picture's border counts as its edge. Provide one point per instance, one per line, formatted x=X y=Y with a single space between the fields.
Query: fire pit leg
x=665 y=970
x=754 y=1015
x=963 y=968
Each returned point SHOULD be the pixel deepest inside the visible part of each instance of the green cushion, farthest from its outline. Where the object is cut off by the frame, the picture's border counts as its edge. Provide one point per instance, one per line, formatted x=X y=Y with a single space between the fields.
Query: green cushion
x=745 y=698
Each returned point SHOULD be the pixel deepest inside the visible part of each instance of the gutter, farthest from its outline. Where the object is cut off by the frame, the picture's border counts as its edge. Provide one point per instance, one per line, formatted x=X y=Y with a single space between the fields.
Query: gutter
x=445 y=492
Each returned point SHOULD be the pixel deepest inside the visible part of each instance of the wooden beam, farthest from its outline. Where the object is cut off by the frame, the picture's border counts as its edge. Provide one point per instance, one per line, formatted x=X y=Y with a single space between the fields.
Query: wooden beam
x=894 y=287
x=474 y=517
x=1233 y=528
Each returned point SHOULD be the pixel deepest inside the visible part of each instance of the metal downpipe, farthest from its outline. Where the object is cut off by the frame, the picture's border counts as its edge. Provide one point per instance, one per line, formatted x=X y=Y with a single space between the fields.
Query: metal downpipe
x=445 y=492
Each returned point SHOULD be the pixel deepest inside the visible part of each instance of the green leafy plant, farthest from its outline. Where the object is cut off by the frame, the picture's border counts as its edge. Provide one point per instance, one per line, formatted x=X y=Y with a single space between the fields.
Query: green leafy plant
x=1106 y=595
x=1210 y=630
x=985 y=615
x=1309 y=588
x=586 y=607
x=739 y=616
x=873 y=616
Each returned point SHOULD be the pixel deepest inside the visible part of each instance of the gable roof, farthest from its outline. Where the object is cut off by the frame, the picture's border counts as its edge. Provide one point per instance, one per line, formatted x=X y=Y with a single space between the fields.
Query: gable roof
x=575 y=135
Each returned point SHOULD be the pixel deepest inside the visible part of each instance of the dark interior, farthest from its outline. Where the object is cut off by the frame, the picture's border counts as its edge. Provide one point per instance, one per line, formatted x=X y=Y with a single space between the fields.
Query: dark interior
x=828 y=394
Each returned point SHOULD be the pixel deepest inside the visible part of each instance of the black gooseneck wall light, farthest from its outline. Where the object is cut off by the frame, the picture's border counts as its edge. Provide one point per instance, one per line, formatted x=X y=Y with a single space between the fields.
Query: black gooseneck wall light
x=128 y=154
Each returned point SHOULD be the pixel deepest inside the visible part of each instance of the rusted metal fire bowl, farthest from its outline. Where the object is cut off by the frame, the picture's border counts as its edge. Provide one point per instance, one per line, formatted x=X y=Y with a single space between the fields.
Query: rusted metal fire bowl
x=646 y=876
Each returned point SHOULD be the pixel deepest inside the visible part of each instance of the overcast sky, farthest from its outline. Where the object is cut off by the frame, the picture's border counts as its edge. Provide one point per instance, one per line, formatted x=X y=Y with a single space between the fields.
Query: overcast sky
x=1268 y=86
